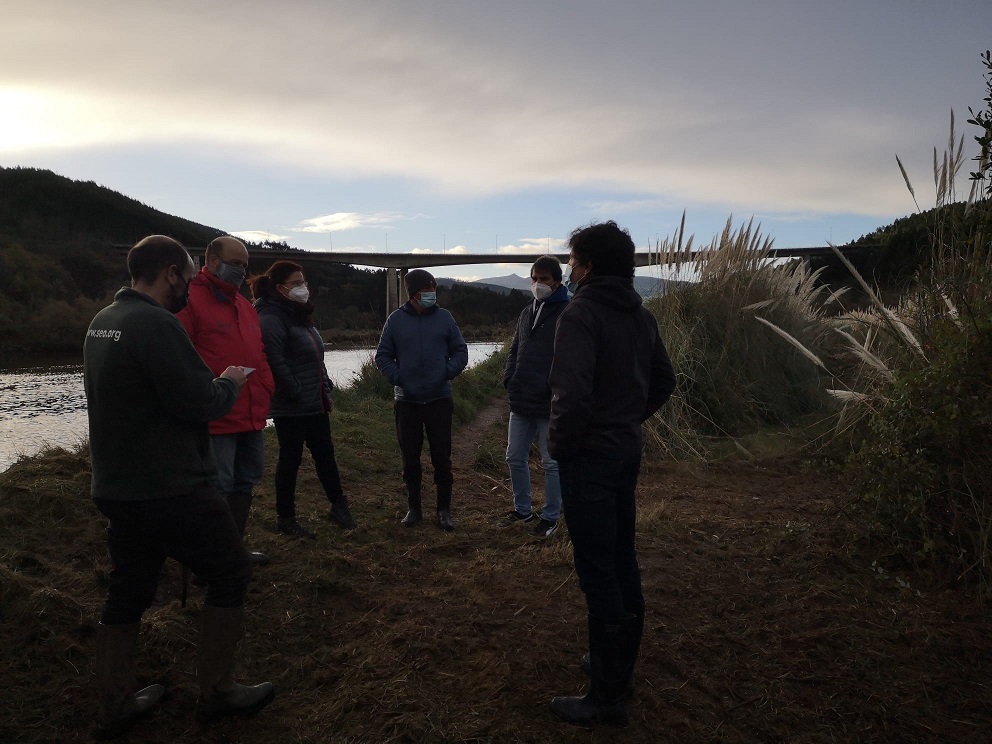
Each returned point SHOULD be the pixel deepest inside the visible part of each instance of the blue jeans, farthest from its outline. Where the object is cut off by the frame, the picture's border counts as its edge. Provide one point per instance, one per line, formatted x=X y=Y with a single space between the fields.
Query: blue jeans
x=240 y=460
x=600 y=511
x=520 y=436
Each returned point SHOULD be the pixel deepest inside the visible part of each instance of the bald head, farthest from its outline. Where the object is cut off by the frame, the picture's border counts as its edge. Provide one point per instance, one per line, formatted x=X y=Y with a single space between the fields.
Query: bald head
x=227 y=249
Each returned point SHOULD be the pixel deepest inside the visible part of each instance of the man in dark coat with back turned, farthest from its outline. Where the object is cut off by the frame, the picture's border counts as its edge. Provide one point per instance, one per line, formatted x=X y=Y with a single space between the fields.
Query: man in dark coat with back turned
x=610 y=373
x=149 y=397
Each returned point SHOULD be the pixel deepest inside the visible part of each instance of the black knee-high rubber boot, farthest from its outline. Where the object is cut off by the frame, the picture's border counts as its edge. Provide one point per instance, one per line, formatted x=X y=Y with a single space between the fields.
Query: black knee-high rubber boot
x=415 y=512
x=444 y=507
x=240 y=504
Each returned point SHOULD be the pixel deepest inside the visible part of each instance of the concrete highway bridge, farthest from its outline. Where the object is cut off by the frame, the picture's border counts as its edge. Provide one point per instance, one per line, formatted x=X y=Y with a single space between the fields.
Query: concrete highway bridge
x=398 y=264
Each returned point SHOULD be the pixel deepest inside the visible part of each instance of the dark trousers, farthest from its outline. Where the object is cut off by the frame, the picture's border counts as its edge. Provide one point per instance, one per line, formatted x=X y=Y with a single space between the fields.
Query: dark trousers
x=195 y=529
x=315 y=432
x=600 y=511
x=412 y=421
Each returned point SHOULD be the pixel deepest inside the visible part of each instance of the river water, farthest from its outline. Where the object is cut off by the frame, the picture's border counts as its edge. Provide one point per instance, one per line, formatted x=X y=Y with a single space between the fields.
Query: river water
x=45 y=405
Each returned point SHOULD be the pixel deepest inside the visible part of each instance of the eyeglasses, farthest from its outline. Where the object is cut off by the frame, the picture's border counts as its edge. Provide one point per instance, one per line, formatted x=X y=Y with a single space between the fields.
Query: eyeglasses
x=297 y=283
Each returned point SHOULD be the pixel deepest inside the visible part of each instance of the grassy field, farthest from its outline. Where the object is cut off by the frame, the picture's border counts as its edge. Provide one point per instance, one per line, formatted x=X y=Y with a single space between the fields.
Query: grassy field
x=770 y=616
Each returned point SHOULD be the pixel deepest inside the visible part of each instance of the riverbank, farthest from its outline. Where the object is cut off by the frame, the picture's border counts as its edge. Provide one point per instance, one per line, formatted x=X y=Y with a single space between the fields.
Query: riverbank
x=771 y=616
x=42 y=403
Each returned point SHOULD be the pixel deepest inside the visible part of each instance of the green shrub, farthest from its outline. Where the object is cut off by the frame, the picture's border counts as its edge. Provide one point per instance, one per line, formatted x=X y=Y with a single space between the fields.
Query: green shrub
x=925 y=461
x=925 y=466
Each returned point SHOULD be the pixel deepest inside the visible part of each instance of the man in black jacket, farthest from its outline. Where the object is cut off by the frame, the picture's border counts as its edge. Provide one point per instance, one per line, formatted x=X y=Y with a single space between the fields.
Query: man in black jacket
x=526 y=383
x=610 y=373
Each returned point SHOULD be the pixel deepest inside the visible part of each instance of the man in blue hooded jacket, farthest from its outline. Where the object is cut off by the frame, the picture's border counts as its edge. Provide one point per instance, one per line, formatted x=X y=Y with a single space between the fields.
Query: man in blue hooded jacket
x=420 y=352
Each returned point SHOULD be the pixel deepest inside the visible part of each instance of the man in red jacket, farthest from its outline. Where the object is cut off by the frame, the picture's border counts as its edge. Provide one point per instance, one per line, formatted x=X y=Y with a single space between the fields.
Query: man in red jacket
x=224 y=329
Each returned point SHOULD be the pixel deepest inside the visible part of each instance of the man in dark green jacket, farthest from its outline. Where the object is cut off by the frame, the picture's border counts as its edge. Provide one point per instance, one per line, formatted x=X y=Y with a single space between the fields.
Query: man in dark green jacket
x=149 y=397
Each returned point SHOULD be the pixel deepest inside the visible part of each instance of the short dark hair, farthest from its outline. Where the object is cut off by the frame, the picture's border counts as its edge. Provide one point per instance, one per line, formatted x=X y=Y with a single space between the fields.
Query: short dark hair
x=549 y=264
x=605 y=246
x=150 y=255
x=278 y=273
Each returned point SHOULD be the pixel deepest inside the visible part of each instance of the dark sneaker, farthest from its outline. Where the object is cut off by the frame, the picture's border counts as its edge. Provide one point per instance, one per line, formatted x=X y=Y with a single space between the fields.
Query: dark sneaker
x=258 y=559
x=545 y=528
x=515 y=517
x=412 y=517
x=289 y=526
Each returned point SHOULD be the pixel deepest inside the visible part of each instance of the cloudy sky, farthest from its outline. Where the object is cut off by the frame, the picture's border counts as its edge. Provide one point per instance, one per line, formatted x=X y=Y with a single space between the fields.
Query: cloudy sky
x=468 y=126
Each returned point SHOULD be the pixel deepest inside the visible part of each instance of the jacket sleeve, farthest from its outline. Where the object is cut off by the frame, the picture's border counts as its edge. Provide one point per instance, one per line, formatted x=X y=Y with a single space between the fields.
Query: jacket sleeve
x=571 y=378
x=511 y=359
x=263 y=372
x=184 y=384
x=275 y=336
x=662 y=382
x=325 y=379
x=457 y=351
x=385 y=355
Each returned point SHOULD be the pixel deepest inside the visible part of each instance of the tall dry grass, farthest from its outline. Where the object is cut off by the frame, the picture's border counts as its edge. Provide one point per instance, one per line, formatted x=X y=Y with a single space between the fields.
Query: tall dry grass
x=722 y=328
x=915 y=383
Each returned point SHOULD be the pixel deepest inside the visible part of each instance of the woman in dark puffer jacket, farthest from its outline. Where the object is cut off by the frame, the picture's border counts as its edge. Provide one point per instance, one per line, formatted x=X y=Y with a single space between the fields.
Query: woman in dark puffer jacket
x=302 y=401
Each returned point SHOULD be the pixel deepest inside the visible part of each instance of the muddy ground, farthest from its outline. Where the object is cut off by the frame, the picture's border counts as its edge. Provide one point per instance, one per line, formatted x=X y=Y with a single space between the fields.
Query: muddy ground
x=771 y=618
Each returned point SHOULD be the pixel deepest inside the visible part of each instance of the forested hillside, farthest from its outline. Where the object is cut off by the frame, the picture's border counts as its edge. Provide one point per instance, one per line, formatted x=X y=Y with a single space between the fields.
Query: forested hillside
x=61 y=261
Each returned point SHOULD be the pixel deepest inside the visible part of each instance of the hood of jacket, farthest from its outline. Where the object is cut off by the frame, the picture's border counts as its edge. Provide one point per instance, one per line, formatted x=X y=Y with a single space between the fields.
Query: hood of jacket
x=407 y=307
x=613 y=291
x=559 y=295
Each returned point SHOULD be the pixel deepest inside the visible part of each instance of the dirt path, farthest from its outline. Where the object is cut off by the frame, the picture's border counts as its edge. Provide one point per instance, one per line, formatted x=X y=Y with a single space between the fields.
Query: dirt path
x=468 y=439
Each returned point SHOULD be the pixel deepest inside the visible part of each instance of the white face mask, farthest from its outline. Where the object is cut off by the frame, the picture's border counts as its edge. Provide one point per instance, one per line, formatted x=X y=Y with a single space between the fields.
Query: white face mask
x=299 y=294
x=540 y=291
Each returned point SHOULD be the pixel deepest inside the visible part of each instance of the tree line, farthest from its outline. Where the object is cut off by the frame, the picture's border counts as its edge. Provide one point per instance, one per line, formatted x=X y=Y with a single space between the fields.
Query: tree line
x=60 y=263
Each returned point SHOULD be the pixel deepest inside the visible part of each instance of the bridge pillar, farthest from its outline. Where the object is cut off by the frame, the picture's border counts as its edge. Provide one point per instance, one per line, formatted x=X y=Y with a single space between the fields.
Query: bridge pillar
x=395 y=289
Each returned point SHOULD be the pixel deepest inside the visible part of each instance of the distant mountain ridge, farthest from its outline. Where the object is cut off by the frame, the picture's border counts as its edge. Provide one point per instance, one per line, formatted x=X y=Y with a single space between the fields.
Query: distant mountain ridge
x=646 y=286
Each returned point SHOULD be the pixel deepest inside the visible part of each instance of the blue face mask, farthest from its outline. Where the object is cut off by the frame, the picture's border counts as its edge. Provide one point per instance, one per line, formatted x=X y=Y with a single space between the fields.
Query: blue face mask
x=570 y=284
x=566 y=279
x=428 y=300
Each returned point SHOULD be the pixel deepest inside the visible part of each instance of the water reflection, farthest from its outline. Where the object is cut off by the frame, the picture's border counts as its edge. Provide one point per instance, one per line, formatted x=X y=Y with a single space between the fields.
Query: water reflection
x=40 y=406
x=46 y=405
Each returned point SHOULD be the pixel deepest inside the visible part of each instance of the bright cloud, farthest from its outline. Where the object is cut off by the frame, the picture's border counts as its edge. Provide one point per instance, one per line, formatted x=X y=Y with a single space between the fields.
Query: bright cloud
x=538 y=246
x=341 y=221
x=259 y=236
